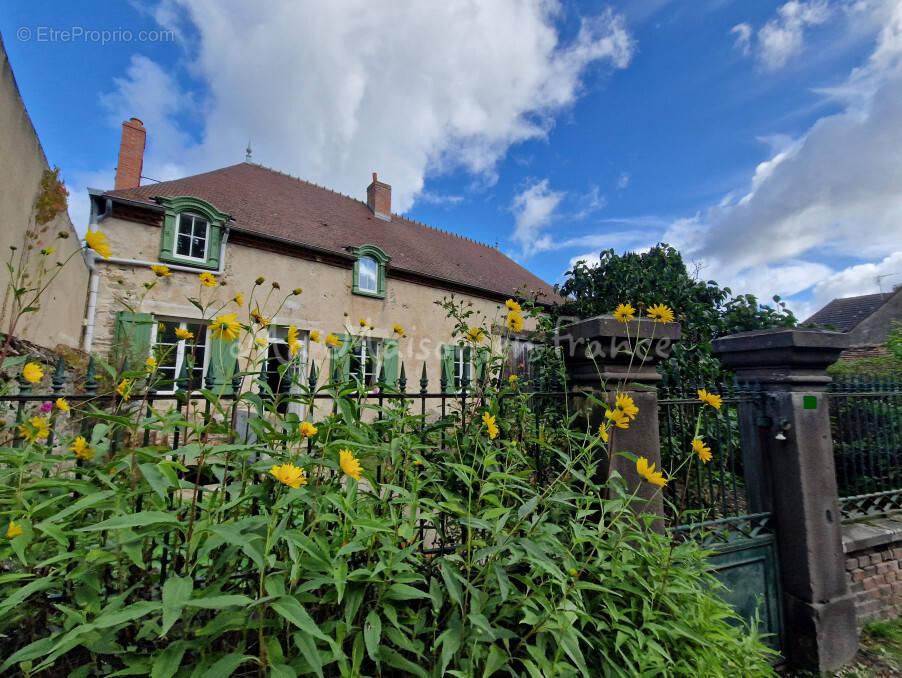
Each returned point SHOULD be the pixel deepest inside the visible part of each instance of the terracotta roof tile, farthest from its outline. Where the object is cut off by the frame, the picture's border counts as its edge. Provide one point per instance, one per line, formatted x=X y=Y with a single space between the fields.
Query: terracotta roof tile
x=845 y=314
x=271 y=203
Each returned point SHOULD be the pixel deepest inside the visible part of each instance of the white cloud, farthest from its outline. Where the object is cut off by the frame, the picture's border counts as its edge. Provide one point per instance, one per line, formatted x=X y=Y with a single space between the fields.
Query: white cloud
x=623 y=180
x=533 y=209
x=782 y=37
x=333 y=91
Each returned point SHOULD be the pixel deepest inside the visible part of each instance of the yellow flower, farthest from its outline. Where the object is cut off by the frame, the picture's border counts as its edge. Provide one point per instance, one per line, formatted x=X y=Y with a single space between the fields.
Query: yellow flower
x=150 y=364
x=512 y=305
x=296 y=291
x=161 y=327
x=81 y=449
x=349 y=464
x=649 y=473
x=475 y=335
x=709 y=398
x=239 y=299
x=661 y=313
x=182 y=333
x=207 y=279
x=161 y=271
x=258 y=318
x=308 y=430
x=124 y=389
x=62 y=404
x=314 y=337
x=603 y=430
x=398 y=330
x=226 y=327
x=33 y=373
x=418 y=462
x=624 y=313
x=703 y=451
x=14 y=530
x=292 y=340
x=514 y=321
x=48 y=250
x=333 y=340
x=97 y=242
x=625 y=404
x=512 y=379
x=36 y=428
x=573 y=571
x=618 y=417
x=363 y=322
x=261 y=342
x=491 y=428
x=289 y=474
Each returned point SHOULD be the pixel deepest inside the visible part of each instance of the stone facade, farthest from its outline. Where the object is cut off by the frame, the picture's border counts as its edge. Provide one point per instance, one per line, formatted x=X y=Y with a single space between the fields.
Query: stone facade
x=873 y=551
x=62 y=305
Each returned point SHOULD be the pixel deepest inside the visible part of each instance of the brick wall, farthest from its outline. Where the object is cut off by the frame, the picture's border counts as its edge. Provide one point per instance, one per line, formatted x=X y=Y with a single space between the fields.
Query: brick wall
x=873 y=552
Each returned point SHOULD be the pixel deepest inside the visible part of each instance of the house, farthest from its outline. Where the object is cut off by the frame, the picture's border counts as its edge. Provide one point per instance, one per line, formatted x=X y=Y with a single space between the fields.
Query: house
x=354 y=261
x=59 y=318
x=866 y=319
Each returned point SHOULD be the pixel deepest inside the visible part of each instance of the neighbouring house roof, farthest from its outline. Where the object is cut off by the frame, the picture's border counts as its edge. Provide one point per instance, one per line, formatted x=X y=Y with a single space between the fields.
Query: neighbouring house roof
x=269 y=203
x=844 y=315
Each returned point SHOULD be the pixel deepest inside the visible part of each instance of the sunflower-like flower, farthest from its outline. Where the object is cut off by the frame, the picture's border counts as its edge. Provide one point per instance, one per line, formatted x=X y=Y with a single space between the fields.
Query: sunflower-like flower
x=661 y=313
x=182 y=333
x=513 y=379
x=62 y=404
x=603 y=430
x=289 y=474
x=239 y=299
x=397 y=329
x=491 y=428
x=514 y=321
x=349 y=464
x=258 y=318
x=226 y=327
x=314 y=336
x=36 y=428
x=124 y=389
x=97 y=242
x=33 y=373
x=512 y=306
x=624 y=313
x=618 y=417
x=703 y=451
x=82 y=449
x=261 y=342
x=648 y=472
x=14 y=530
x=207 y=279
x=333 y=340
x=475 y=334
x=307 y=429
x=625 y=404
x=709 y=398
x=363 y=322
x=150 y=364
x=161 y=271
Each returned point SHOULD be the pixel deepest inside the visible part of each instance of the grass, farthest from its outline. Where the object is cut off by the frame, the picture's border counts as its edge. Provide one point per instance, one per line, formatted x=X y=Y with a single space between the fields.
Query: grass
x=879 y=654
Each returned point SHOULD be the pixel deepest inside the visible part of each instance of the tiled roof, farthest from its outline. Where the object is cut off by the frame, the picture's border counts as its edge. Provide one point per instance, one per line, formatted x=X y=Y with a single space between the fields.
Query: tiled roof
x=845 y=314
x=270 y=203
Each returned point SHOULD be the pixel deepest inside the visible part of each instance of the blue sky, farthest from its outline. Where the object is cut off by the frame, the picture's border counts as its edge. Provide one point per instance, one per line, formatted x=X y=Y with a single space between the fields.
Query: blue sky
x=761 y=138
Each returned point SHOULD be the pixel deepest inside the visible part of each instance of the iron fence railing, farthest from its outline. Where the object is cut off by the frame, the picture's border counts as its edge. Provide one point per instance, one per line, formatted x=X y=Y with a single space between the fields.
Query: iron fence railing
x=866 y=426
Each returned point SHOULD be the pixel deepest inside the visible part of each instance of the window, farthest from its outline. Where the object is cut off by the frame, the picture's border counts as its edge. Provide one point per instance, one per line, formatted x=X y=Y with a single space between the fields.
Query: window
x=287 y=380
x=172 y=353
x=364 y=363
x=369 y=271
x=462 y=365
x=191 y=233
x=191 y=237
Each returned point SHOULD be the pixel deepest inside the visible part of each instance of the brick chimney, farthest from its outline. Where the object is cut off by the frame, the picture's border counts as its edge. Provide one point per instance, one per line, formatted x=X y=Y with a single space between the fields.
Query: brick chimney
x=378 y=199
x=131 y=154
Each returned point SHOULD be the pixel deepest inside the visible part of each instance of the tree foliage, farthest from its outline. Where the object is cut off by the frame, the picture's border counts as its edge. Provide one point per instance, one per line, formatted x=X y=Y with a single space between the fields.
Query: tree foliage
x=705 y=309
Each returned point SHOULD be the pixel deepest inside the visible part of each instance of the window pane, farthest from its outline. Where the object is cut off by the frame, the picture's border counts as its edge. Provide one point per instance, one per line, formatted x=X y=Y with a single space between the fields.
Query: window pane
x=200 y=228
x=183 y=245
x=367 y=272
x=198 y=249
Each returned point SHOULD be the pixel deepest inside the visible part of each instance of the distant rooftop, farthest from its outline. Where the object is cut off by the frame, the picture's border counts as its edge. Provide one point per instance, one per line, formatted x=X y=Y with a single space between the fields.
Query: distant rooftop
x=844 y=315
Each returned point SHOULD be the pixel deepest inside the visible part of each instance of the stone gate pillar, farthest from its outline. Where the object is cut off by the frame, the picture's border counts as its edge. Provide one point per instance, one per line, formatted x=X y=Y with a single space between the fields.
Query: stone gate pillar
x=597 y=354
x=789 y=467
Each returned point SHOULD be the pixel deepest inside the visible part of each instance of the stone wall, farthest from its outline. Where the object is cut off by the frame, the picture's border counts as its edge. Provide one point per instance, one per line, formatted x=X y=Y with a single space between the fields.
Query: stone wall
x=873 y=552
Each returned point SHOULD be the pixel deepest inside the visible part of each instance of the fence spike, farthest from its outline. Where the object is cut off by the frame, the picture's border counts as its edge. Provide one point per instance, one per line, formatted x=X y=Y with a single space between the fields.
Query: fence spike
x=424 y=381
x=59 y=375
x=236 y=378
x=181 y=383
x=311 y=379
x=91 y=377
x=382 y=373
x=402 y=380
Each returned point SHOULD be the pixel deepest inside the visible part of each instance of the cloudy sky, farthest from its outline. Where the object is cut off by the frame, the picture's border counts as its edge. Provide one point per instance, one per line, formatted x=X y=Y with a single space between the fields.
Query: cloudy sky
x=763 y=139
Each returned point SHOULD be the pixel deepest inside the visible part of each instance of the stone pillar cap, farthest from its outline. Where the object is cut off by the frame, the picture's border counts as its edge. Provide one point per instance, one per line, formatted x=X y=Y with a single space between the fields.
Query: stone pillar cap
x=608 y=326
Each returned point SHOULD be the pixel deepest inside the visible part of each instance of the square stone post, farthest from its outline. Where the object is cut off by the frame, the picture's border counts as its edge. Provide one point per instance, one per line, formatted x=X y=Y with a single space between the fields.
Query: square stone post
x=791 y=460
x=599 y=357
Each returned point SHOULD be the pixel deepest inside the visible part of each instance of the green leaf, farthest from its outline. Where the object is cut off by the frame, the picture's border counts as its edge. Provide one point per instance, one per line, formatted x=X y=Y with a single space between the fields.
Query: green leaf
x=289 y=608
x=155 y=479
x=141 y=519
x=527 y=508
x=220 y=602
x=176 y=592
x=126 y=614
x=396 y=660
x=404 y=592
x=282 y=671
x=372 y=634
x=226 y=665
x=167 y=662
x=496 y=659
x=307 y=647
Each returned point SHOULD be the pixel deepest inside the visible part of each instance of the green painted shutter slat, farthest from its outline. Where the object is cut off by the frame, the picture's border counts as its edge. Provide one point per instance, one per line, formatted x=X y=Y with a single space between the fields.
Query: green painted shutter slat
x=482 y=364
x=341 y=356
x=448 y=367
x=131 y=344
x=390 y=360
x=222 y=363
x=213 y=247
x=167 y=237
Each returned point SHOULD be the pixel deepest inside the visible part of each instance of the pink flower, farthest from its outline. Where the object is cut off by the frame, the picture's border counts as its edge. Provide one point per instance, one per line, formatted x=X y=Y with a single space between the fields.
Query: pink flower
x=375 y=391
x=46 y=407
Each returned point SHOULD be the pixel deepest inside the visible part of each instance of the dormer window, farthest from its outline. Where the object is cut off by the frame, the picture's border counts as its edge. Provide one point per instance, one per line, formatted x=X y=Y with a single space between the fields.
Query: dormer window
x=191 y=237
x=369 y=271
x=192 y=232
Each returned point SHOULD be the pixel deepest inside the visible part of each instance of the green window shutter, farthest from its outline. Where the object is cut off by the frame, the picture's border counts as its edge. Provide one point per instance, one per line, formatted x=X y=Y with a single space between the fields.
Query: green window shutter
x=482 y=364
x=167 y=238
x=131 y=343
x=213 y=246
x=340 y=358
x=390 y=361
x=222 y=363
x=448 y=367
x=203 y=209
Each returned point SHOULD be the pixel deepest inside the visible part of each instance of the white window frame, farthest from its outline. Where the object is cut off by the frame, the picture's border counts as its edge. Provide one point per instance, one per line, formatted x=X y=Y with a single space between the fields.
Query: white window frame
x=299 y=362
x=359 y=352
x=180 y=347
x=363 y=262
x=175 y=237
x=462 y=366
